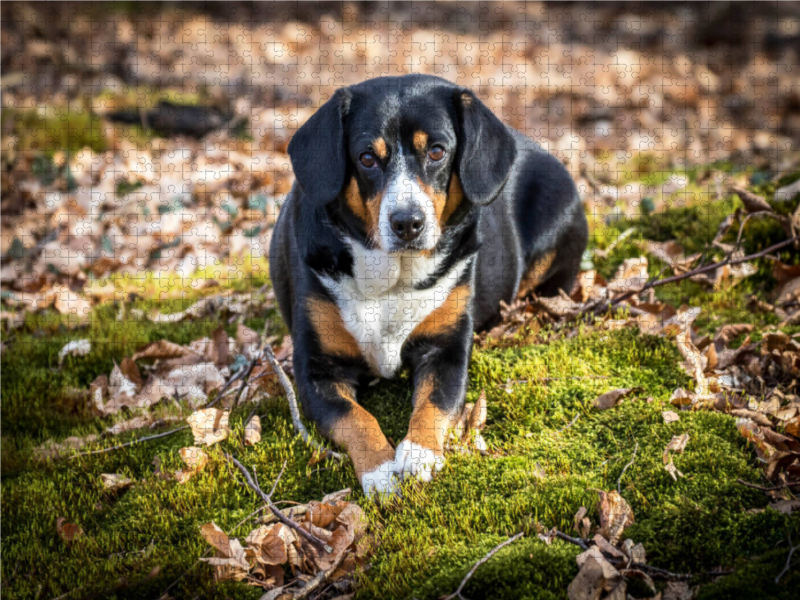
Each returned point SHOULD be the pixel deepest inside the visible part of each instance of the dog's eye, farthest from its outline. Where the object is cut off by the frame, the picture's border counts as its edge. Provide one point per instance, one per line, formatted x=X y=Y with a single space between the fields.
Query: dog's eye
x=367 y=159
x=436 y=153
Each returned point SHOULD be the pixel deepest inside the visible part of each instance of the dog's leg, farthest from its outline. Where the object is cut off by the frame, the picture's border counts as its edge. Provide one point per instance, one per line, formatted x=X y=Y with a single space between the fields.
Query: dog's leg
x=439 y=351
x=332 y=405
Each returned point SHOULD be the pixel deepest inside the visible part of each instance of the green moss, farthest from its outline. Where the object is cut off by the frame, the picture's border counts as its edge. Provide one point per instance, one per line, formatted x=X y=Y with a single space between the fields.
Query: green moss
x=540 y=470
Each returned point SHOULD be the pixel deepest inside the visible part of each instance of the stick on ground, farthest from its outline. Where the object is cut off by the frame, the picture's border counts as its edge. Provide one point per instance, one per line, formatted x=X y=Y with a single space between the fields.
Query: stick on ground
x=492 y=552
x=275 y=510
x=625 y=468
x=292 y=398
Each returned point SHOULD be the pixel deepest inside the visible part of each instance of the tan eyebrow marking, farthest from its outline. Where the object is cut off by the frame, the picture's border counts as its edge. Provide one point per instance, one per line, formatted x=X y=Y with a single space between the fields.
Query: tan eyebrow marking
x=420 y=141
x=379 y=145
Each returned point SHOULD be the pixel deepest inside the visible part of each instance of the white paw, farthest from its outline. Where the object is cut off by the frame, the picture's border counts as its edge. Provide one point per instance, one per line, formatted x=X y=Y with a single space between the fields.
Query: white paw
x=411 y=459
x=381 y=481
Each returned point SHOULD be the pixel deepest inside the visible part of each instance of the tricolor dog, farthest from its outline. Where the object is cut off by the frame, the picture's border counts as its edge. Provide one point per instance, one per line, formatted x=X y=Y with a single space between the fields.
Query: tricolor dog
x=414 y=213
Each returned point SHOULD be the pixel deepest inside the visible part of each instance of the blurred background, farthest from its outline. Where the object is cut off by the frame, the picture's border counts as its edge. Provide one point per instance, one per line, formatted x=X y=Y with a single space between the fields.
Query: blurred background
x=150 y=138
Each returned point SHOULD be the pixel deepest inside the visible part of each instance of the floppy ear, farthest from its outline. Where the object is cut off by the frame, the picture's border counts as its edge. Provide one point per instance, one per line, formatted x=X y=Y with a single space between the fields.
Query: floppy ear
x=486 y=149
x=318 y=153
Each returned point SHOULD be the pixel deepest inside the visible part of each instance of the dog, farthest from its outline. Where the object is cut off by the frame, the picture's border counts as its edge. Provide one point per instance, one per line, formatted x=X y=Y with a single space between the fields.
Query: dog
x=414 y=213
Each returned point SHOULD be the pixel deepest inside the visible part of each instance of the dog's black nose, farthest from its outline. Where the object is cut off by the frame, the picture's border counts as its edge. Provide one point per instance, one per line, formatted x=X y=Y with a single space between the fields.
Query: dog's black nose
x=407 y=224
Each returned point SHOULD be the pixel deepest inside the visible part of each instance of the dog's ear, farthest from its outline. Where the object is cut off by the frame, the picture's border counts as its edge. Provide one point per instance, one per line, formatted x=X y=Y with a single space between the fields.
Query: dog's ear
x=486 y=149
x=318 y=153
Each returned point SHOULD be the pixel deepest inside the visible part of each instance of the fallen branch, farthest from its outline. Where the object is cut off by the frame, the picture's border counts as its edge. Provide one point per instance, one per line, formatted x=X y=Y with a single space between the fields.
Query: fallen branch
x=625 y=468
x=293 y=408
x=319 y=579
x=275 y=510
x=788 y=559
x=492 y=552
x=729 y=261
x=131 y=443
x=774 y=488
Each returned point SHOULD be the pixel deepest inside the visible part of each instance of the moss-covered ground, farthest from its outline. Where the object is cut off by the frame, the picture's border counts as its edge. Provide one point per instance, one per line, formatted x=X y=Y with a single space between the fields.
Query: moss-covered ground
x=540 y=470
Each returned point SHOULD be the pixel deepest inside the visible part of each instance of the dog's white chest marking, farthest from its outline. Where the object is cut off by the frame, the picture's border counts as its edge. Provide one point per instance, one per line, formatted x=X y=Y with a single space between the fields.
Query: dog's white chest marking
x=380 y=306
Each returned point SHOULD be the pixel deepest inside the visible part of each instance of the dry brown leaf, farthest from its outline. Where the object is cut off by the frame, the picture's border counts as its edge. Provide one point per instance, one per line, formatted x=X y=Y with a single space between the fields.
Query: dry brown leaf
x=114 y=482
x=209 y=426
x=630 y=276
x=752 y=202
x=248 y=341
x=614 y=397
x=68 y=531
x=231 y=560
x=130 y=424
x=786 y=507
x=477 y=416
x=615 y=515
x=195 y=460
x=676 y=444
x=164 y=349
x=670 y=416
x=271 y=543
x=596 y=575
x=673 y=470
x=252 y=431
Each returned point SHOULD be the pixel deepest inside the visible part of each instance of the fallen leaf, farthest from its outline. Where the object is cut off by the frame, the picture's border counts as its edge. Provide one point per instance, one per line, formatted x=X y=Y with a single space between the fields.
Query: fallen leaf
x=114 y=482
x=614 y=397
x=630 y=276
x=271 y=542
x=595 y=576
x=248 y=341
x=209 y=426
x=752 y=202
x=252 y=431
x=673 y=470
x=231 y=561
x=165 y=349
x=195 y=459
x=670 y=416
x=74 y=348
x=68 y=531
x=676 y=444
x=677 y=590
x=615 y=515
x=785 y=506
x=477 y=417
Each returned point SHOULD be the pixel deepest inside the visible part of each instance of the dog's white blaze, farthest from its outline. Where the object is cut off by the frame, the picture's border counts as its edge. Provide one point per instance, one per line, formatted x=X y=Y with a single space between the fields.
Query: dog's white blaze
x=379 y=304
x=404 y=192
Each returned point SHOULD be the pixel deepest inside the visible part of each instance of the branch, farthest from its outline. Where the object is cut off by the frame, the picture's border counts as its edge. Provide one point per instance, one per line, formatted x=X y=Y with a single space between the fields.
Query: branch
x=131 y=443
x=318 y=579
x=492 y=552
x=654 y=283
x=768 y=489
x=293 y=408
x=275 y=510
x=788 y=559
x=633 y=458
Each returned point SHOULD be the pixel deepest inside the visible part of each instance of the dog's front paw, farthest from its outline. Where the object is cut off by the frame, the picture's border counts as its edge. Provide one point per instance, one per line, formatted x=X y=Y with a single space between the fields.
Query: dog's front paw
x=417 y=461
x=381 y=482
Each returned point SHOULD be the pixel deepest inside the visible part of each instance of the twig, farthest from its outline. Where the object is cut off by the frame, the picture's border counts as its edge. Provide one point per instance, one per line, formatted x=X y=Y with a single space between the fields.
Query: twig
x=275 y=510
x=318 y=579
x=774 y=488
x=788 y=558
x=654 y=283
x=577 y=541
x=492 y=552
x=625 y=468
x=131 y=443
x=247 y=374
x=571 y=423
x=293 y=408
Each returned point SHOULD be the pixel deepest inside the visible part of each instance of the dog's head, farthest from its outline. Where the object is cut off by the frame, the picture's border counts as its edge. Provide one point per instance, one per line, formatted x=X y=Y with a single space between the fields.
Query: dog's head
x=402 y=155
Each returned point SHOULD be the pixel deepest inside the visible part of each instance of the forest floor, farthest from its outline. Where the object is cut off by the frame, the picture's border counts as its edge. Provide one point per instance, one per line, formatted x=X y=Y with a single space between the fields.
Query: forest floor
x=549 y=451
